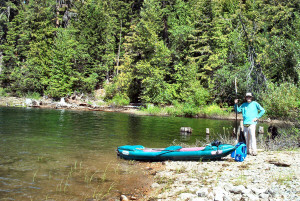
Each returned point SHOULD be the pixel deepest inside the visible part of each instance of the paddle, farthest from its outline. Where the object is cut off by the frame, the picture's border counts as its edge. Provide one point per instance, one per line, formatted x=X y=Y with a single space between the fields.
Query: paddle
x=236 y=124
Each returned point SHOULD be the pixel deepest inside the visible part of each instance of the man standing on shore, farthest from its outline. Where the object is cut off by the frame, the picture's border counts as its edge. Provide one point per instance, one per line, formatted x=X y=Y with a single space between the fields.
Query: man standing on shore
x=251 y=111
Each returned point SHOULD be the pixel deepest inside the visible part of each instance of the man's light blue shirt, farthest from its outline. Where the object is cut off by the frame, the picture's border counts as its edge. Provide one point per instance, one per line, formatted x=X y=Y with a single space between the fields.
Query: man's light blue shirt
x=250 y=111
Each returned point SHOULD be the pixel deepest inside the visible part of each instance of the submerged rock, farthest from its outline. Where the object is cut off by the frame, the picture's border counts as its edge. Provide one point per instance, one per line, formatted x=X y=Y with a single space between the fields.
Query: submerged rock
x=123 y=198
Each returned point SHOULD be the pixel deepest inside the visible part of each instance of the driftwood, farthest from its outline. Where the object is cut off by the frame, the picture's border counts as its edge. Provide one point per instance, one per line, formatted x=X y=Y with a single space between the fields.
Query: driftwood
x=186 y=130
x=279 y=164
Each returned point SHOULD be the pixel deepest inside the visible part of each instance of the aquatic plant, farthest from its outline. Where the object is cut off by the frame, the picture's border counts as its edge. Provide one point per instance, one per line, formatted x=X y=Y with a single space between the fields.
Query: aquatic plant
x=34 y=175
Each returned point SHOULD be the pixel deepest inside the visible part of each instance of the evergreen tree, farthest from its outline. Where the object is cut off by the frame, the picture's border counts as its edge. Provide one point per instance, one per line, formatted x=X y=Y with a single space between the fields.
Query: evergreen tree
x=64 y=74
x=97 y=27
x=146 y=56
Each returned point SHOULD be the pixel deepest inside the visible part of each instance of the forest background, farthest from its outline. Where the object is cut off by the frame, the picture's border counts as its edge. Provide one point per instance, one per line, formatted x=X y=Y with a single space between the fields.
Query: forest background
x=185 y=53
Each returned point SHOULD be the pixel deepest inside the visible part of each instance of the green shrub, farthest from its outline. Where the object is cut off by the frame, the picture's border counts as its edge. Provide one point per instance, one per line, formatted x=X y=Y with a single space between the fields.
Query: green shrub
x=215 y=109
x=190 y=109
x=281 y=101
x=110 y=90
x=3 y=92
x=153 y=110
x=33 y=95
x=195 y=95
x=119 y=100
x=176 y=110
x=186 y=109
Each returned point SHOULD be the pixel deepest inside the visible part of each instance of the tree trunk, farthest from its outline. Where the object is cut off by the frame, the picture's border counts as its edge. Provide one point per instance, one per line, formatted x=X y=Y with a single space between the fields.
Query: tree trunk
x=255 y=71
x=57 y=14
x=119 y=50
x=0 y=63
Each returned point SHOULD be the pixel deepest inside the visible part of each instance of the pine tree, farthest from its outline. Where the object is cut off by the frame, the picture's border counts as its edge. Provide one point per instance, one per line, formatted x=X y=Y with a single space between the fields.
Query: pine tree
x=64 y=74
x=146 y=56
x=97 y=31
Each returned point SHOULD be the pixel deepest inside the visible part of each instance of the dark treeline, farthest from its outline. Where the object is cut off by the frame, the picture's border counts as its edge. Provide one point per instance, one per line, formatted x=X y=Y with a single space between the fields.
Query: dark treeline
x=151 y=50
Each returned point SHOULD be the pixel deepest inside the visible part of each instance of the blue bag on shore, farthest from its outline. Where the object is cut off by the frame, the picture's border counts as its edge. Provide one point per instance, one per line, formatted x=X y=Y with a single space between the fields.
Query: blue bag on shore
x=240 y=153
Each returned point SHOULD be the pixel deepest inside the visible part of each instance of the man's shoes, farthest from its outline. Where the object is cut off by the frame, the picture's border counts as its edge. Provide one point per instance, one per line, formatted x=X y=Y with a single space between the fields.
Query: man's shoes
x=252 y=153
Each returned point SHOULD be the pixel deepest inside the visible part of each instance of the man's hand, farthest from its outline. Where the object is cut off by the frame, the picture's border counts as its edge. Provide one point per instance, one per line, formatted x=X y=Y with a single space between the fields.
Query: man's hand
x=255 y=119
x=236 y=101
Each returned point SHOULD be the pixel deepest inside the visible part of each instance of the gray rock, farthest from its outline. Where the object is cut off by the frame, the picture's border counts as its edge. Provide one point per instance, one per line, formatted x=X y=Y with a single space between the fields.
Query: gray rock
x=246 y=191
x=237 y=197
x=237 y=189
x=210 y=196
x=199 y=199
x=186 y=196
x=28 y=102
x=227 y=197
x=251 y=197
x=271 y=192
x=219 y=193
x=123 y=198
x=258 y=191
x=228 y=187
x=264 y=196
x=203 y=192
x=155 y=185
x=219 y=196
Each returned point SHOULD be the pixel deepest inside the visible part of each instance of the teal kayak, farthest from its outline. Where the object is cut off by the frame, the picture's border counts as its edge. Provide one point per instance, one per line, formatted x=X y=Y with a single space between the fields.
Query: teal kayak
x=139 y=152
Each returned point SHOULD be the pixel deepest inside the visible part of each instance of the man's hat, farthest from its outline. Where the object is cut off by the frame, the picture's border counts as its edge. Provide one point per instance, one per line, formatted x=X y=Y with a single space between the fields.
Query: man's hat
x=248 y=95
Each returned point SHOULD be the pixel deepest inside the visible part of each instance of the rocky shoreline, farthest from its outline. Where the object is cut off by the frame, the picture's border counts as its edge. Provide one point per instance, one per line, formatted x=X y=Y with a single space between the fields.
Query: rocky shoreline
x=268 y=176
x=76 y=102
x=71 y=103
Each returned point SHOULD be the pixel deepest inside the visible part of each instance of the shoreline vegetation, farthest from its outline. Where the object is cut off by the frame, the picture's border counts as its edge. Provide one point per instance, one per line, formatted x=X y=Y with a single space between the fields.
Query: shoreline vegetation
x=74 y=102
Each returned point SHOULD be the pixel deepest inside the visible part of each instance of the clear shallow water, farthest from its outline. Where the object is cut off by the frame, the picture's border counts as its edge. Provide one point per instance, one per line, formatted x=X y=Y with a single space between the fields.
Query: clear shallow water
x=70 y=155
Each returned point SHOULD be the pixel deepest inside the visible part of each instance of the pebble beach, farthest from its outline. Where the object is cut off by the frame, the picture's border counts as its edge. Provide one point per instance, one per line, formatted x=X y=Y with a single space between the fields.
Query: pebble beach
x=271 y=175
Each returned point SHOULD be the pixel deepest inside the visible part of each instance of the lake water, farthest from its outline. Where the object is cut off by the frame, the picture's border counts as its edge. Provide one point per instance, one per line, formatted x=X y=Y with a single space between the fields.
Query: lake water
x=70 y=155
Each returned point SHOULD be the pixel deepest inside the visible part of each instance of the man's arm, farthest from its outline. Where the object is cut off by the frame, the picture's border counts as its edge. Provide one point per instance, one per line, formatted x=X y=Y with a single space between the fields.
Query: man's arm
x=261 y=109
x=236 y=107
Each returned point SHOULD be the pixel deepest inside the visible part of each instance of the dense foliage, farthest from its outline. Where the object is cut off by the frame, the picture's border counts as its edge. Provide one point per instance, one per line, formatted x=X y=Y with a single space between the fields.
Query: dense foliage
x=154 y=51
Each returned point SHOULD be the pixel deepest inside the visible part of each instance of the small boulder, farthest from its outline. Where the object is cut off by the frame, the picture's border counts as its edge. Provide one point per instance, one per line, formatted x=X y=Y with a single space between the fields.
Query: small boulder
x=237 y=189
x=186 y=196
x=264 y=196
x=155 y=185
x=28 y=102
x=123 y=198
x=258 y=191
x=251 y=197
x=203 y=192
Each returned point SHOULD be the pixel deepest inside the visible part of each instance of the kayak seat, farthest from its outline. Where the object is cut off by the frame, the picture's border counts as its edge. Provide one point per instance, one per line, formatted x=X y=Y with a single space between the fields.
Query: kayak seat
x=170 y=148
x=174 y=149
x=192 y=149
x=152 y=150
